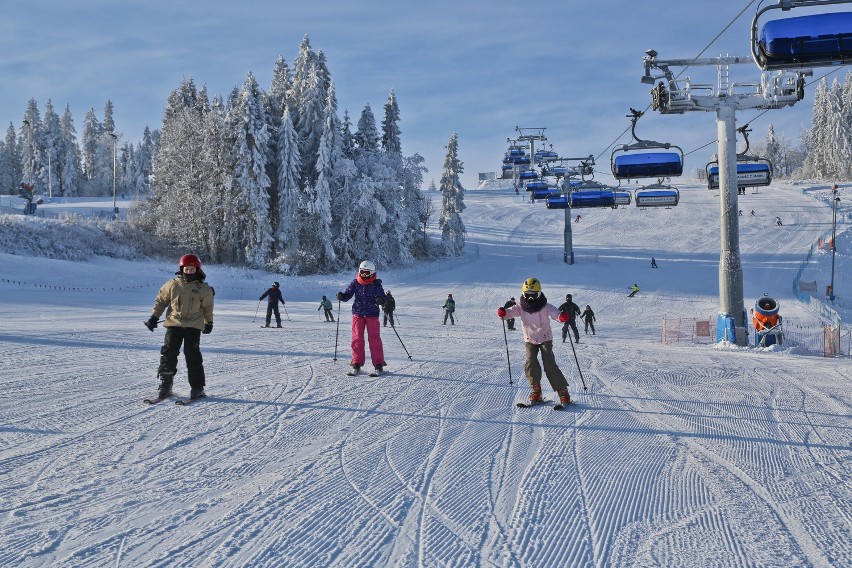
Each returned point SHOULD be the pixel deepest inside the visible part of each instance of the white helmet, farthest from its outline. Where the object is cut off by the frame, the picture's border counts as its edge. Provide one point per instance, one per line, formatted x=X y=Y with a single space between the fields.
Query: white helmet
x=367 y=266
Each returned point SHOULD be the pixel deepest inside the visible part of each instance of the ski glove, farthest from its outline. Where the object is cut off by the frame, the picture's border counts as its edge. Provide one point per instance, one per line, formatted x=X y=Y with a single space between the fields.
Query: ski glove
x=379 y=301
x=501 y=312
x=208 y=327
x=563 y=317
x=151 y=323
x=340 y=296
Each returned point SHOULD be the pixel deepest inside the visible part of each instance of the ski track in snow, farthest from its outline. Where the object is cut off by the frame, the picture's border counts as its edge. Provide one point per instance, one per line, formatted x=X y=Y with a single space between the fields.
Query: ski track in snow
x=675 y=456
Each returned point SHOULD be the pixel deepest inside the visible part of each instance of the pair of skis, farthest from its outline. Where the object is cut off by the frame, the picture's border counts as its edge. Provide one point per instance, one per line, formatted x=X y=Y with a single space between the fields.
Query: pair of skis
x=178 y=402
x=356 y=372
x=558 y=406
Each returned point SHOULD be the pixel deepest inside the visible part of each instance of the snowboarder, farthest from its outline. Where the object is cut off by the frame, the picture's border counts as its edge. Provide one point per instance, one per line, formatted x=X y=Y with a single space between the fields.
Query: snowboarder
x=752 y=213
x=510 y=322
x=388 y=308
x=326 y=305
x=572 y=310
x=535 y=312
x=449 y=310
x=273 y=296
x=190 y=303
x=633 y=290
x=778 y=221
x=588 y=316
x=654 y=262
x=369 y=295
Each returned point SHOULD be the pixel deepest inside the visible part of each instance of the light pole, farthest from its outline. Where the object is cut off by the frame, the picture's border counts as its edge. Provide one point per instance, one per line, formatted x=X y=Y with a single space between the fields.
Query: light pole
x=834 y=201
x=114 y=207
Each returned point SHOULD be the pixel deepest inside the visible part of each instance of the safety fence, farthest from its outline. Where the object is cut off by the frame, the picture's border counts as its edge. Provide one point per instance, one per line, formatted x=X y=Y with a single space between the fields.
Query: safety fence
x=827 y=339
x=60 y=287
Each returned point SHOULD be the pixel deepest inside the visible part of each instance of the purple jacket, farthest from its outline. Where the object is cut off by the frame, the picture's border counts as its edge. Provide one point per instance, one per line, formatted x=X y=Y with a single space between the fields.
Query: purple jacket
x=365 y=297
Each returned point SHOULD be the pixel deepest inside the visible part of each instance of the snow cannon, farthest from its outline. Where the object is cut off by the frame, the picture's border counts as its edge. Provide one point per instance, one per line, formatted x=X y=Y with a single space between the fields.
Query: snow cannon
x=767 y=322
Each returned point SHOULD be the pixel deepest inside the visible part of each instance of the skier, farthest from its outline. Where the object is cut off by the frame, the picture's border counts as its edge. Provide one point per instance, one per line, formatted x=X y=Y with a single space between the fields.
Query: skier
x=654 y=262
x=778 y=221
x=577 y=220
x=633 y=290
x=535 y=312
x=449 y=309
x=572 y=310
x=190 y=303
x=752 y=213
x=388 y=308
x=510 y=322
x=369 y=295
x=588 y=316
x=273 y=296
x=326 y=305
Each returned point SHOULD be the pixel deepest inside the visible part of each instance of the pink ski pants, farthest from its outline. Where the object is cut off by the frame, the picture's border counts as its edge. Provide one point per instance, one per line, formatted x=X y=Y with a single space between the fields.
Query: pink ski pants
x=377 y=353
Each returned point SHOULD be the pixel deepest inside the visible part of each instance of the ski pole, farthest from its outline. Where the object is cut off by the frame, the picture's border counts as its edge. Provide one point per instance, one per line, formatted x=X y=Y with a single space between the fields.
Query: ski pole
x=338 y=330
x=255 y=312
x=401 y=343
x=508 y=361
x=578 y=362
x=285 y=311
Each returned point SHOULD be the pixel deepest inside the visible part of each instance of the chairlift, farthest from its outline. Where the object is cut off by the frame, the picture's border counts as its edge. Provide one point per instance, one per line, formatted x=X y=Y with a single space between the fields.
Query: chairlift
x=545 y=193
x=536 y=185
x=752 y=171
x=528 y=174
x=557 y=202
x=623 y=197
x=657 y=195
x=543 y=155
x=587 y=198
x=654 y=163
x=816 y=40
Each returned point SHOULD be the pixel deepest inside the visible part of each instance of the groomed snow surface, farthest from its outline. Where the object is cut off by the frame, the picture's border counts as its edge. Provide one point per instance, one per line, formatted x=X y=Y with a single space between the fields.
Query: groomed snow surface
x=676 y=455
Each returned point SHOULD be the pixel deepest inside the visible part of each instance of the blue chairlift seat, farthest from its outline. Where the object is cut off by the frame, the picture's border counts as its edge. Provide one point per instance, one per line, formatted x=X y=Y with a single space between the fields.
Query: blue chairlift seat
x=506 y=167
x=559 y=170
x=557 y=202
x=814 y=40
x=536 y=185
x=623 y=198
x=522 y=160
x=660 y=197
x=592 y=198
x=517 y=152
x=749 y=174
x=647 y=165
x=545 y=155
x=545 y=193
x=528 y=174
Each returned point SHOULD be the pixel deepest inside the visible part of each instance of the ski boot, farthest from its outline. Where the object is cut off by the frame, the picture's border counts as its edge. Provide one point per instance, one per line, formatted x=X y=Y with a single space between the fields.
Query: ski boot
x=535 y=394
x=564 y=397
x=195 y=393
x=266 y=325
x=165 y=389
x=279 y=325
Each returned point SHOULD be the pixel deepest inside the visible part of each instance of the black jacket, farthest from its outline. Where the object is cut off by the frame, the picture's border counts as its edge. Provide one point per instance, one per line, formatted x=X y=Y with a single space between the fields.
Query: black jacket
x=570 y=308
x=273 y=296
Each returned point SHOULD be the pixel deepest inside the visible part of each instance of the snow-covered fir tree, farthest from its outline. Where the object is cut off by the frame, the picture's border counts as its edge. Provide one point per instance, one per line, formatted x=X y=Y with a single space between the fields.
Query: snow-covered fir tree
x=452 y=201
x=250 y=220
x=772 y=151
x=69 y=167
x=367 y=136
x=30 y=146
x=293 y=213
x=10 y=163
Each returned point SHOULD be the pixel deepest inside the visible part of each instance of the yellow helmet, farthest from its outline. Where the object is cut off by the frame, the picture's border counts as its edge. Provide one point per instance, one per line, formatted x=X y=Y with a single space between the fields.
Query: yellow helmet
x=531 y=285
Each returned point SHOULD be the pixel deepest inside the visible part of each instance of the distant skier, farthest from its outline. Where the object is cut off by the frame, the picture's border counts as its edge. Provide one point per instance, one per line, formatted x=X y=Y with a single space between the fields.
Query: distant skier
x=572 y=310
x=588 y=316
x=778 y=221
x=633 y=290
x=535 y=314
x=326 y=305
x=273 y=296
x=369 y=295
x=577 y=220
x=388 y=308
x=752 y=213
x=654 y=262
x=449 y=310
x=510 y=322
x=190 y=303
x=741 y=212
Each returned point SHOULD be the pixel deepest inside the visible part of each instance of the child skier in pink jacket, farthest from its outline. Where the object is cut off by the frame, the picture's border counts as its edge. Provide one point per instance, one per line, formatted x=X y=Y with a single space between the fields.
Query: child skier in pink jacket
x=535 y=314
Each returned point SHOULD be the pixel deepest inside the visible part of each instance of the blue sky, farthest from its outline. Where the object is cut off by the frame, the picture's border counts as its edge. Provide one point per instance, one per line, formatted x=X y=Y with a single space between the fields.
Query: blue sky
x=475 y=67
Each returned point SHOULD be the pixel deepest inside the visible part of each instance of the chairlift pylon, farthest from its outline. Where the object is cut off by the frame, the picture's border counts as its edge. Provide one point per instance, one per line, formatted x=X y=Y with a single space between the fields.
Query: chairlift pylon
x=815 y=40
x=646 y=164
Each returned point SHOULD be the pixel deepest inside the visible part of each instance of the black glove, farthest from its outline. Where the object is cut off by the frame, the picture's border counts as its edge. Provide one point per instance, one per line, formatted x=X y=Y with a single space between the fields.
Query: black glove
x=379 y=301
x=340 y=296
x=259 y=299
x=151 y=323
x=208 y=327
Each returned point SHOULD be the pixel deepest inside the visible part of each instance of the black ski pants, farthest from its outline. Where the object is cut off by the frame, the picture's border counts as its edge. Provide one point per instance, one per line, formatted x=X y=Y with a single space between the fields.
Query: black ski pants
x=191 y=340
x=388 y=316
x=270 y=308
x=570 y=325
x=328 y=315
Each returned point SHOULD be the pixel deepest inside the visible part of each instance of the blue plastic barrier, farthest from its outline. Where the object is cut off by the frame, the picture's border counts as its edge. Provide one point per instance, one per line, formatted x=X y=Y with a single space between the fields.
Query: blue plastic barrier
x=647 y=165
x=592 y=198
x=557 y=202
x=817 y=39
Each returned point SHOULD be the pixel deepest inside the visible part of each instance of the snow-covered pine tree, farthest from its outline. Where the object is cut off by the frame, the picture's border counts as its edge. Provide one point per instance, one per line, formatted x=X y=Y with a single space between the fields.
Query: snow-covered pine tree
x=89 y=149
x=390 y=126
x=816 y=162
x=319 y=239
x=397 y=235
x=30 y=146
x=367 y=136
x=347 y=140
x=772 y=151
x=311 y=126
x=52 y=148
x=452 y=201
x=414 y=203
x=251 y=206
x=290 y=205
x=10 y=163
x=217 y=183
x=69 y=167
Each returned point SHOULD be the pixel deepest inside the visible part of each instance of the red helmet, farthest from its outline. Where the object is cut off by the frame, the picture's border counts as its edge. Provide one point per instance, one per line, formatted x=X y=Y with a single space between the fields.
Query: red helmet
x=189 y=260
